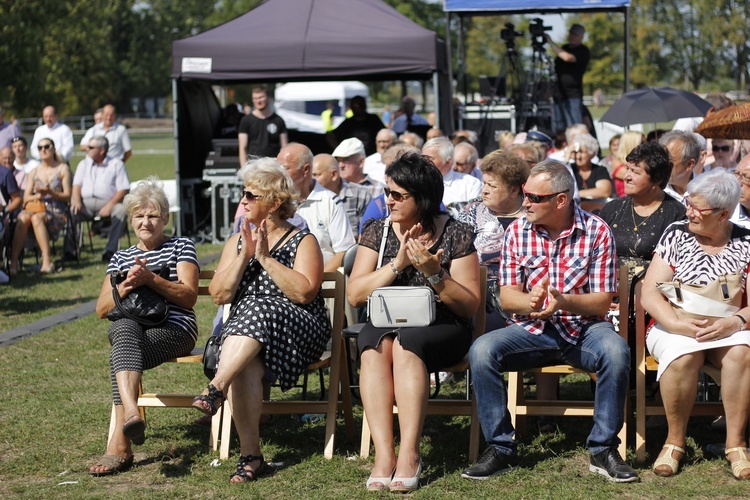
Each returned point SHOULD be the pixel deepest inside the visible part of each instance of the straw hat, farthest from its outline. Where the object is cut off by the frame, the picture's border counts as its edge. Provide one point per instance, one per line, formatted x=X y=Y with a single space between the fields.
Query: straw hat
x=732 y=122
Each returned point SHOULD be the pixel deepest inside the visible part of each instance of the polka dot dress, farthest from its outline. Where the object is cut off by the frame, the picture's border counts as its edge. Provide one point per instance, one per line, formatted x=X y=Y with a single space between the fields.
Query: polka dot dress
x=293 y=335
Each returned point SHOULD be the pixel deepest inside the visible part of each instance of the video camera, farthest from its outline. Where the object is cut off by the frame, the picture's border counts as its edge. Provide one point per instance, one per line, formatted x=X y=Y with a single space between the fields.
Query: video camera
x=509 y=34
x=537 y=27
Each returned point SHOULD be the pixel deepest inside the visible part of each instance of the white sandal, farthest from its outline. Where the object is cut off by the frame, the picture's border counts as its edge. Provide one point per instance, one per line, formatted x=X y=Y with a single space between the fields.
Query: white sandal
x=742 y=464
x=374 y=483
x=668 y=460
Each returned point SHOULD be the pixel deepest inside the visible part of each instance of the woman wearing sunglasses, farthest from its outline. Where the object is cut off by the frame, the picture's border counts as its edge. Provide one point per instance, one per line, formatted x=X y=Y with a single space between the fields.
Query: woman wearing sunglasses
x=46 y=199
x=271 y=274
x=724 y=155
x=424 y=246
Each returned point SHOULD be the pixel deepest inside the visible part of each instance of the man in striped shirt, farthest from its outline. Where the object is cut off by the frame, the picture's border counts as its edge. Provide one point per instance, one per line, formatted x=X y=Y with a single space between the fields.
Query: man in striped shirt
x=558 y=275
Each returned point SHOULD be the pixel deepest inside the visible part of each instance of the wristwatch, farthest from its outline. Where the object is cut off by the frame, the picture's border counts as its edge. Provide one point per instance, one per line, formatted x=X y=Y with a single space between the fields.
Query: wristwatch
x=434 y=279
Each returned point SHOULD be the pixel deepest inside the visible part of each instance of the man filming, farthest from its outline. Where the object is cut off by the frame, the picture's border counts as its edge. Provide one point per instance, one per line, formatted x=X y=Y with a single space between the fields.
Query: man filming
x=570 y=65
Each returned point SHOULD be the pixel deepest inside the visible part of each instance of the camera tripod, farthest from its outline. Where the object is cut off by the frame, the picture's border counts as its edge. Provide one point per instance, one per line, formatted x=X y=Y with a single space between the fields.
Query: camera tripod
x=511 y=75
x=541 y=87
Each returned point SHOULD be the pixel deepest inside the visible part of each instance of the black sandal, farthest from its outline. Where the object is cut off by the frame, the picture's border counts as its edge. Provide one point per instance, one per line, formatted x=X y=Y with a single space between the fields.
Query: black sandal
x=211 y=402
x=134 y=429
x=248 y=475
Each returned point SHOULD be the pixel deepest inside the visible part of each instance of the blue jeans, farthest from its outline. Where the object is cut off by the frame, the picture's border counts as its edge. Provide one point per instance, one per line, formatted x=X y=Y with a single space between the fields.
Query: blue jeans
x=599 y=350
x=568 y=112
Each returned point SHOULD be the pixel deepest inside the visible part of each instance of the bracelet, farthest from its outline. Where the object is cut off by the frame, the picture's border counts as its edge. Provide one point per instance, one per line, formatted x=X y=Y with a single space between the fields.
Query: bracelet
x=744 y=322
x=394 y=269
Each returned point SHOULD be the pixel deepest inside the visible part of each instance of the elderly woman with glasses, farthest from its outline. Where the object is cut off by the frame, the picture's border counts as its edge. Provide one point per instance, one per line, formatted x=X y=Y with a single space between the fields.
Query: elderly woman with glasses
x=700 y=251
x=46 y=199
x=423 y=247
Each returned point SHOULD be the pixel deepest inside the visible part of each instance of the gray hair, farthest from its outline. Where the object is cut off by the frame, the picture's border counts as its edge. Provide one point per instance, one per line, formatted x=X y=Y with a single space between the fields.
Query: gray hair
x=270 y=179
x=473 y=153
x=148 y=192
x=100 y=142
x=587 y=141
x=557 y=173
x=691 y=149
x=719 y=188
x=442 y=145
x=574 y=130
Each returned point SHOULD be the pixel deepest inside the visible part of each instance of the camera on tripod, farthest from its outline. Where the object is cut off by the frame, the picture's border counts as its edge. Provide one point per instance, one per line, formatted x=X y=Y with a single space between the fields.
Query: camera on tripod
x=509 y=34
x=537 y=27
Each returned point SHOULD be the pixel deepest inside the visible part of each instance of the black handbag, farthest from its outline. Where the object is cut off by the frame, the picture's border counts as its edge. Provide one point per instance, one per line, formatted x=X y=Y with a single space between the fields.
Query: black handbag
x=143 y=304
x=211 y=356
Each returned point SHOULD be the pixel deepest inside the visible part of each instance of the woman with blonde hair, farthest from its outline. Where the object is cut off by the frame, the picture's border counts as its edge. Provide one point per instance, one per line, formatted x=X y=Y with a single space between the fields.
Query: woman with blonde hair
x=628 y=141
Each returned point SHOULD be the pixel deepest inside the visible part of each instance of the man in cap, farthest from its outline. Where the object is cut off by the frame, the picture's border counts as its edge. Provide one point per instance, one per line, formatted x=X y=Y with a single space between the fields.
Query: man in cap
x=570 y=65
x=350 y=155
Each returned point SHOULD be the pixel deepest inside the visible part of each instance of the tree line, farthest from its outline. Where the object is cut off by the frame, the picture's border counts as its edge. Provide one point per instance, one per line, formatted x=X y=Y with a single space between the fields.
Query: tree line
x=80 y=54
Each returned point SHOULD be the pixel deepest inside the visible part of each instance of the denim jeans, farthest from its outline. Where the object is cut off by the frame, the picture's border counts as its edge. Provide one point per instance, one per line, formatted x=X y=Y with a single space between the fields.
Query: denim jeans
x=599 y=350
x=568 y=112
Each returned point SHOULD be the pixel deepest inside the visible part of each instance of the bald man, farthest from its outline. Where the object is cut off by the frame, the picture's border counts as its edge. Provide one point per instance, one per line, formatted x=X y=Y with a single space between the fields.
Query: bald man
x=52 y=129
x=356 y=197
x=322 y=209
x=115 y=133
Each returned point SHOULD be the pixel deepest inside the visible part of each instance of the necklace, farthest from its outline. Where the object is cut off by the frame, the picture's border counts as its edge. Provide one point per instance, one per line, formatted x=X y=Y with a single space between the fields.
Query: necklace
x=632 y=212
x=512 y=214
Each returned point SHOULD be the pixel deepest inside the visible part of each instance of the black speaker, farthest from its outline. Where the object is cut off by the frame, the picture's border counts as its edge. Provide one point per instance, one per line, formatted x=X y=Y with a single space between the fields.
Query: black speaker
x=488 y=122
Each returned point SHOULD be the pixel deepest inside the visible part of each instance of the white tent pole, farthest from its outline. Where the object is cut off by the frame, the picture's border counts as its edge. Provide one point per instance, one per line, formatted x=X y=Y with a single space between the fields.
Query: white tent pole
x=178 y=217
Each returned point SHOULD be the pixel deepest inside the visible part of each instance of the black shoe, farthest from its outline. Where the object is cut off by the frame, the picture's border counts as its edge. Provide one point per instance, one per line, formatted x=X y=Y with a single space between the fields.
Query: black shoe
x=107 y=256
x=491 y=463
x=610 y=464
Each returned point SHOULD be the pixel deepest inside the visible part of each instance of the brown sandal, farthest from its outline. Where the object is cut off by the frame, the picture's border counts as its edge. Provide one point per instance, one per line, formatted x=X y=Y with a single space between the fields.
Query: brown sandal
x=113 y=463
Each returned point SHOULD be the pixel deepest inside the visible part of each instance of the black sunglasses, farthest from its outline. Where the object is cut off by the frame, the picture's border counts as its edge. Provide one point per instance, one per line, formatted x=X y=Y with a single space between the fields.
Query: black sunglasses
x=538 y=198
x=249 y=195
x=395 y=195
x=721 y=148
x=44 y=146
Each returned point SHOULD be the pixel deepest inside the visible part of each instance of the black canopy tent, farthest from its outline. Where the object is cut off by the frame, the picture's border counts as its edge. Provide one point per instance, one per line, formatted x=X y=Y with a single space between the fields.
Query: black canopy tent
x=296 y=40
x=467 y=8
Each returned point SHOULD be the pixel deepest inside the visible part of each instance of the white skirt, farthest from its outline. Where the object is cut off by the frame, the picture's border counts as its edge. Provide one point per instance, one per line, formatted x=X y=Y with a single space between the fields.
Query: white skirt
x=665 y=347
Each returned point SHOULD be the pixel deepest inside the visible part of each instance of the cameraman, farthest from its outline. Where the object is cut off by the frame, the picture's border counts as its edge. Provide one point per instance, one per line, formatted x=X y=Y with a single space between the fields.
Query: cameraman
x=570 y=65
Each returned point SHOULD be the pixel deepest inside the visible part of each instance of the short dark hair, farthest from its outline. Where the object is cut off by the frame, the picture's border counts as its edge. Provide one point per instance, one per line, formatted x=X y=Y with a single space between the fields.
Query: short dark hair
x=656 y=158
x=422 y=179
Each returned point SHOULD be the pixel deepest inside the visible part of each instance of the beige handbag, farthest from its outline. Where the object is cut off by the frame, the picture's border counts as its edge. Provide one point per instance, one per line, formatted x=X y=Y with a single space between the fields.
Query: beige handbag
x=719 y=299
x=35 y=206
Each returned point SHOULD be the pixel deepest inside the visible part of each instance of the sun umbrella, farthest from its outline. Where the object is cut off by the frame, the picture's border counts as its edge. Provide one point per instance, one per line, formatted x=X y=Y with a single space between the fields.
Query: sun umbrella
x=732 y=122
x=655 y=105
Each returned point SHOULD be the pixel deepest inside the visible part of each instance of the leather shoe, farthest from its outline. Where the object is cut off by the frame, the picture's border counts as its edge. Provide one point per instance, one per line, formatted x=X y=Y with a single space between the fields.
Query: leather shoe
x=610 y=464
x=492 y=463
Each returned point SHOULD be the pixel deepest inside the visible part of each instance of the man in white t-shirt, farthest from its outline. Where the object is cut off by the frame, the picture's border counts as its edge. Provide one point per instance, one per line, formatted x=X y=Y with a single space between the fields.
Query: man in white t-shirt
x=459 y=188
x=52 y=129
x=99 y=186
x=374 y=166
x=322 y=210
x=116 y=134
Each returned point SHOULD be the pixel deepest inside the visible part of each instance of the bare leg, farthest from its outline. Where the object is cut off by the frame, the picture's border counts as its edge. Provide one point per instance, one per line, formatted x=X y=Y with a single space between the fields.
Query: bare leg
x=19 y=238
x=376 y=388
x=678 y=387
x=735 y=393
x=236 y=352
x=127 y=386
x=119 y=444
x=39 y=221
x=246 y=397
x=412 y=392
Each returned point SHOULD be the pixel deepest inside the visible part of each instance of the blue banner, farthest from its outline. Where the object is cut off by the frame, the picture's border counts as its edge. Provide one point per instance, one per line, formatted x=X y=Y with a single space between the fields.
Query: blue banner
x=531 y=5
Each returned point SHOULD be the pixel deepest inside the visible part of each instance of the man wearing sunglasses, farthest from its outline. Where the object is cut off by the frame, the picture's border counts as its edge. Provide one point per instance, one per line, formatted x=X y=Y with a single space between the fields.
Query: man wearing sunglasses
x=558 y=276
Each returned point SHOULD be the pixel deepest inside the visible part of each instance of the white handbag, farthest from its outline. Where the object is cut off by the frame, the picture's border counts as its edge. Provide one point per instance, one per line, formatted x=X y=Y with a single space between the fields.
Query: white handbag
x=399 y=306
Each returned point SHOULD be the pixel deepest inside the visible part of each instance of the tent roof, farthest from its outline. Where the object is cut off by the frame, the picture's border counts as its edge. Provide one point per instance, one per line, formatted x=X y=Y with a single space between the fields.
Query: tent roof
x=287 y=40
x=524 y=6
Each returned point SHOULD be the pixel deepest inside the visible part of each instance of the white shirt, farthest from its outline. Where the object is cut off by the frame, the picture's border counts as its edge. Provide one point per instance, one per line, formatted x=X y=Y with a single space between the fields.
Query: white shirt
x=739 y=217
x=60 y=134
x=117 y=135
x=27 y=167
x=374 y=167
x=399 y=124
x=101 y=181
x=460 y=187
x=326 y=219
x=674 y=194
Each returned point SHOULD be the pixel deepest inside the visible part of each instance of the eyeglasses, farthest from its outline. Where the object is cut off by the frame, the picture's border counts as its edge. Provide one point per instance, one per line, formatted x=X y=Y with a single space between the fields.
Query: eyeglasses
x=538 y=198
x=395 y=195
x=250 y=196
x=744 y=179
x=700 y=211
x=716 y=149
x=44 y=146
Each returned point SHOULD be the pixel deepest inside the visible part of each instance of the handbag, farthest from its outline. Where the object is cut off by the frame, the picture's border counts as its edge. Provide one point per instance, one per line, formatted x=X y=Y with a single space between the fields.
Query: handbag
x=35 y=206
x=719 y=299
x=211 y=356
x=143 y=304
x=399 y=306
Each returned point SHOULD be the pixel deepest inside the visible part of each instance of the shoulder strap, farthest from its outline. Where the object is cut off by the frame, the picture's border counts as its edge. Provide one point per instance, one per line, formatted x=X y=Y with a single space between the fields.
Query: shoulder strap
x=386 y=226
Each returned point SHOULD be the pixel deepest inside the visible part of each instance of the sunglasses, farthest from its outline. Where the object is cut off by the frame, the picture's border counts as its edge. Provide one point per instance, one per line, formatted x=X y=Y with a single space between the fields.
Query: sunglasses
x=250 y=196
x=726 y=149
x=539 y=198
x=44 y=147
x=395 y=195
